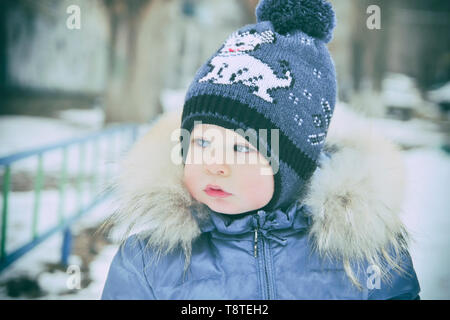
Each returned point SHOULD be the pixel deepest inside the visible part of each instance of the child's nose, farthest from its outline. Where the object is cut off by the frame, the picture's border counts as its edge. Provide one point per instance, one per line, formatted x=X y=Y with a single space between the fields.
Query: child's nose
x=218 y=169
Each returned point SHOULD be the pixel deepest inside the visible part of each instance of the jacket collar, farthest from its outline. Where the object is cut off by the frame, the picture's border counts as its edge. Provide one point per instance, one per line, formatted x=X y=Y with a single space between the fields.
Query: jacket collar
x=273 y=224
x=354 y=199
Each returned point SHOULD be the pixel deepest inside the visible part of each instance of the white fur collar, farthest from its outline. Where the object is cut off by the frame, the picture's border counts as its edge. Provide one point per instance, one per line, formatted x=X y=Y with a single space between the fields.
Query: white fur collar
x=355 y=198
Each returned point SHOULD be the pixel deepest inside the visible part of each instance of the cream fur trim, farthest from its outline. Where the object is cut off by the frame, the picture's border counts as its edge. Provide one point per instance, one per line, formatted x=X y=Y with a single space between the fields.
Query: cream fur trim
x=355 y=197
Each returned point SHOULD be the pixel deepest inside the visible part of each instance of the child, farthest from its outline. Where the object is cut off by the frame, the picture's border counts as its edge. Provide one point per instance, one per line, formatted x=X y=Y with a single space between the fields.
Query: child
x=261 y=207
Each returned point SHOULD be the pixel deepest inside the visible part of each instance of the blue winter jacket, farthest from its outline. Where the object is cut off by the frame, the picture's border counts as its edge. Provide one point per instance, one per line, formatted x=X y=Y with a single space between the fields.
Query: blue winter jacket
x=260 y=256
x=319 y=247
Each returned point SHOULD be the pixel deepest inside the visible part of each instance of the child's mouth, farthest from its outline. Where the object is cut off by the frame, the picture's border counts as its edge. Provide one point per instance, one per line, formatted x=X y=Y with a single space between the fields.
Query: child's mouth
x=216 y=191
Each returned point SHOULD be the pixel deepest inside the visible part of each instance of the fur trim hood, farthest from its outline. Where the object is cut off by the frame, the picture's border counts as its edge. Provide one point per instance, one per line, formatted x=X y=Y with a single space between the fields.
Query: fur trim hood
x=355 y=198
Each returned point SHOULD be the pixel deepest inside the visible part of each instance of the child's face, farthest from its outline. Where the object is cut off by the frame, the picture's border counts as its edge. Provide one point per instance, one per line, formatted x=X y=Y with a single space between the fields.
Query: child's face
x=221 y=158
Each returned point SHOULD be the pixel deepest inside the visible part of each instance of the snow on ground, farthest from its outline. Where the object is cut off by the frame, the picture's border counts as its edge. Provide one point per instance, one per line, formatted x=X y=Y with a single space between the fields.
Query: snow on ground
x=56 y=283
x=426 y=208
x=19 y=133
x=92 y=118
x=20 y=215
x=22 y=133
x=411 y=134
x=426 y=215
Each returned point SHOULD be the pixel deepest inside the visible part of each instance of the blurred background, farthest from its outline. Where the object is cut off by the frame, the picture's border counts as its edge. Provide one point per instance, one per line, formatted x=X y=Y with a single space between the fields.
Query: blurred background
x=80 y=80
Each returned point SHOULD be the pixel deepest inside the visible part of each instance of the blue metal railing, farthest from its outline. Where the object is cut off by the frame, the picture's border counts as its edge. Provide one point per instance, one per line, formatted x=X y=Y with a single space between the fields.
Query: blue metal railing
x=65 y=221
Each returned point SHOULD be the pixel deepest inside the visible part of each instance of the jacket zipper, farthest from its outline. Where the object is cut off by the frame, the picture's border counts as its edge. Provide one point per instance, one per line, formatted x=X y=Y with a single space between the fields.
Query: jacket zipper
x=255 y=247
x=266 y=273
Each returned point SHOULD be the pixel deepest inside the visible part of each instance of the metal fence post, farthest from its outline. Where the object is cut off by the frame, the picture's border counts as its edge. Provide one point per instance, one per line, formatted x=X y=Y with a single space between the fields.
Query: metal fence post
x=66 y=246
x=5 y=194
x=37 y=196
x=62 y=185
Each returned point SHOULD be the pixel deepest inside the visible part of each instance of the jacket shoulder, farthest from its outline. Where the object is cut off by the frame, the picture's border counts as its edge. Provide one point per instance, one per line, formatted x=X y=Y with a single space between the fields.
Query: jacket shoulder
x=126 y=277
x=400 y=283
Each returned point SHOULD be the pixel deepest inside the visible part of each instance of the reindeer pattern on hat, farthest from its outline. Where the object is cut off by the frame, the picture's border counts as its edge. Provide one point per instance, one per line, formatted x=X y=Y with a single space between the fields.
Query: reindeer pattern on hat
x=233 y=64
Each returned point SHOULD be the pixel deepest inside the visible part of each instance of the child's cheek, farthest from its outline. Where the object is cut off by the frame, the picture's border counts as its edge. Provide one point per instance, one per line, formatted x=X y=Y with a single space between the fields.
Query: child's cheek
x=258 y=188
x=190 y=178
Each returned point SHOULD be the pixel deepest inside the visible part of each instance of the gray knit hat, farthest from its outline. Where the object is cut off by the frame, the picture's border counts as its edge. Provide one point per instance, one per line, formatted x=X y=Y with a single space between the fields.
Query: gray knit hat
x=275 y=74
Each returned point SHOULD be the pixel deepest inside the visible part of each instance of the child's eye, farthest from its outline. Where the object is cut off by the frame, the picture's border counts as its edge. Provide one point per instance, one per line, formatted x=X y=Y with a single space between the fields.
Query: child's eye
x=242 y=148
x=200 y=142
x=237 y=147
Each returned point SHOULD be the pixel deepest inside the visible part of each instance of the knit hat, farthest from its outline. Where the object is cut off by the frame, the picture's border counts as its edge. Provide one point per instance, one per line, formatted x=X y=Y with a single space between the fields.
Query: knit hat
x=275 y=74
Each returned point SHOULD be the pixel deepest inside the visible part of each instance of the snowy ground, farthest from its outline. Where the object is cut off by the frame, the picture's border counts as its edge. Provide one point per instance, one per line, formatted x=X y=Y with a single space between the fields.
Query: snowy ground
x=426 y=214
x=38 y=268
x=426 y=211
x=54 y=282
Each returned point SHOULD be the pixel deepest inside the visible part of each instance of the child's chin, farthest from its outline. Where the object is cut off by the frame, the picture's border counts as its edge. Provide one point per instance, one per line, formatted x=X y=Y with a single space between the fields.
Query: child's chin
x=224 y=208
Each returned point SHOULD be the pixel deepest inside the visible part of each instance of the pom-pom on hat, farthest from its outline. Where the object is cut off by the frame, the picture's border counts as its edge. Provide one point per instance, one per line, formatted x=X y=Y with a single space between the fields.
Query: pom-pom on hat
x=313 y=17
x=277 y=75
